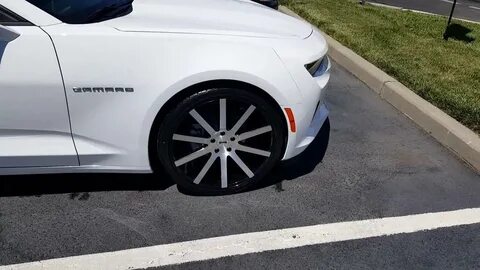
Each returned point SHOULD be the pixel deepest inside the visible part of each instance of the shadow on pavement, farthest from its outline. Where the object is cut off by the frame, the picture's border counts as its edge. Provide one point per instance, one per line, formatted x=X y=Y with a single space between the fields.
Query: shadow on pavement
x=302 y=164
x=78 y=185
x=307 y=161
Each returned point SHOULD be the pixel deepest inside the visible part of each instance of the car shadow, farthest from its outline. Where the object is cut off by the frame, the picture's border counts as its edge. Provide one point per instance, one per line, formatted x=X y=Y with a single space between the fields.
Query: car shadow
x=80 y=185
x=302 y=164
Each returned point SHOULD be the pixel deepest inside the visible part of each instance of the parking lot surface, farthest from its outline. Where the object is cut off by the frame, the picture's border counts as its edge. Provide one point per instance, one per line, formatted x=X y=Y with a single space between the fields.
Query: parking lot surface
x=377 y=164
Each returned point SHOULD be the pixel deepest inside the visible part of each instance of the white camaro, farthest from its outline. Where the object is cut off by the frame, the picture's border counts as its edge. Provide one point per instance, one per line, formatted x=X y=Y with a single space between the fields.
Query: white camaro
x=215 y=92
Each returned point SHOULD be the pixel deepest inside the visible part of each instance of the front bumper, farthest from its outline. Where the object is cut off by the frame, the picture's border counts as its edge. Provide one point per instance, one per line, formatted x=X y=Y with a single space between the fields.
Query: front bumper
x=310 y=115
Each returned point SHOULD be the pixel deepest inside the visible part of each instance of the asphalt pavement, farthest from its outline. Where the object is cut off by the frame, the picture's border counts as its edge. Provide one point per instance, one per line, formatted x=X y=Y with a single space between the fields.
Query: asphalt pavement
x=377 y=164
x=465 y=9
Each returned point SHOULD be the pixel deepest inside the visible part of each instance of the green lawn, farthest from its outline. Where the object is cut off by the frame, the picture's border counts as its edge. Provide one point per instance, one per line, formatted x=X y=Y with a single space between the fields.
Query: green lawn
x=408 y=46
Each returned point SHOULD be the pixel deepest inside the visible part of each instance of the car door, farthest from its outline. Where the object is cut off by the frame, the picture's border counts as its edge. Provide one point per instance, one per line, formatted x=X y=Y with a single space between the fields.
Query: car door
x=34 y=121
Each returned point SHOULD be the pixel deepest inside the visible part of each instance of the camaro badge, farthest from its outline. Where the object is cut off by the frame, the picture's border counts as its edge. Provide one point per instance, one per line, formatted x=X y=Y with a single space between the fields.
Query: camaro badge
x=103 y=90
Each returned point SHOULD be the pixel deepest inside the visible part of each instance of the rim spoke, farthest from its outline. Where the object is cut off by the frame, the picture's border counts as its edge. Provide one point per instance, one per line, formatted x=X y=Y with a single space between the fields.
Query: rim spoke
x=192 y=156
x=253 y=133
x=253 y=150
x=242 y=165
x=242 y=119
x=205 y=169
x=191 y=139
x=223 y=114
x=202 y=122
x=223 y=168
x=216 y=146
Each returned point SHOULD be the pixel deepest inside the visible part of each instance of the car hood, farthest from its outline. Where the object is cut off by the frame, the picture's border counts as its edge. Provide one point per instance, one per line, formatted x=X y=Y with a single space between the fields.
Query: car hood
x=216 y=17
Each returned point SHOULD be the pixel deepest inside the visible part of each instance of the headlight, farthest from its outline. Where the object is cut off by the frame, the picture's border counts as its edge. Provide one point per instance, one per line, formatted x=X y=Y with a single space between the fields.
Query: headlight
x=312 y=67
x=318 y=67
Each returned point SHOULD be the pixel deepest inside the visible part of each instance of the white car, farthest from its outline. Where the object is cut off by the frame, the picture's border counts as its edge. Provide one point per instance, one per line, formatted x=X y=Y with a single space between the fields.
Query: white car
x=215 y=92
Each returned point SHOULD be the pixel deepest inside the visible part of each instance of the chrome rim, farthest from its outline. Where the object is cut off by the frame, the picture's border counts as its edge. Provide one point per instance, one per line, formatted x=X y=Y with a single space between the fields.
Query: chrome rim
x=222 y=143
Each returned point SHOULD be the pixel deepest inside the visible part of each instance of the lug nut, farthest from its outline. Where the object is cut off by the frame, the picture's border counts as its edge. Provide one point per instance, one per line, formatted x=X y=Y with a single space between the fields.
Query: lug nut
x=232 y=139
x=229 y=149
x=222 y=133
x=217 y=150
x=212 y=140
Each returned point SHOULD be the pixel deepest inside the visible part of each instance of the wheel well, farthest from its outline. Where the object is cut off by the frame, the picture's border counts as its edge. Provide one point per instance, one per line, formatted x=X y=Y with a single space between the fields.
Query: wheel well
x=177 y=98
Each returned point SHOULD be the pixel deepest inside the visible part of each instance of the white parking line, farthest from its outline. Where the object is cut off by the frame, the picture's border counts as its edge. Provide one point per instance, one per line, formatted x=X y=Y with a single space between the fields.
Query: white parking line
x=240 y=244
x=450 y=2
x=474 y=7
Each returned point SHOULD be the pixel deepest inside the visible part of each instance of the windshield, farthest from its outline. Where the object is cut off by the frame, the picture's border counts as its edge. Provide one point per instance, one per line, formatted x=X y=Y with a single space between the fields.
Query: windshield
x=84 y=11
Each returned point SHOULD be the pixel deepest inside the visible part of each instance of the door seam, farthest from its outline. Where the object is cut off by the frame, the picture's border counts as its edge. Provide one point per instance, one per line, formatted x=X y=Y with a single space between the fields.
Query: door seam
x=65 y=92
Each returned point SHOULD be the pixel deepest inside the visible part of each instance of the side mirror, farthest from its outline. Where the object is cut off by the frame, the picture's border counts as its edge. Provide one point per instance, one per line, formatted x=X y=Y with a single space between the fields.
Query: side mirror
x=7 y=34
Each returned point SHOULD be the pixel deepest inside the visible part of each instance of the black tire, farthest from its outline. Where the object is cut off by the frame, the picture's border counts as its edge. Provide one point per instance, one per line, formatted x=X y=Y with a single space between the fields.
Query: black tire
x=221 y=146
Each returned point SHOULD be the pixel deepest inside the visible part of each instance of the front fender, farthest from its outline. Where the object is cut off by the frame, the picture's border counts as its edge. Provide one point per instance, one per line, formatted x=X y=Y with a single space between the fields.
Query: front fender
x=157 y=66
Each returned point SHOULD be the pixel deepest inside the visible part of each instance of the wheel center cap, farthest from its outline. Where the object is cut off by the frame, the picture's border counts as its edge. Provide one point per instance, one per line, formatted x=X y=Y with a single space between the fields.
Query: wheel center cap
x=222 y=141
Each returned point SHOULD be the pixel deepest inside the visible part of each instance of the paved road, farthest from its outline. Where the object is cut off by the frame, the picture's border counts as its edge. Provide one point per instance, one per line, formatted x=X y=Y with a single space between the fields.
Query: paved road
x=378 y=164
x=465 y=9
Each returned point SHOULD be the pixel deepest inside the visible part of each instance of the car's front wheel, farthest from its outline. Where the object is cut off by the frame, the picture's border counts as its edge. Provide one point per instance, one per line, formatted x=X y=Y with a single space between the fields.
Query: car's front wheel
x=221 y=141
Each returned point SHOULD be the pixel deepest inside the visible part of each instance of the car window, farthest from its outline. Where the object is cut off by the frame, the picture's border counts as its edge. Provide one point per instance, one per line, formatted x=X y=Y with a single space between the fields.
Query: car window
x=84 y=11
x=6 y=18
x=9 y=18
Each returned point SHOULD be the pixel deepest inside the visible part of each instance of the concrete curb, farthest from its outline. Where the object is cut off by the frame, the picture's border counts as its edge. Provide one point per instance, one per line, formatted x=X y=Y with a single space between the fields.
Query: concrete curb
x=449 y=132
